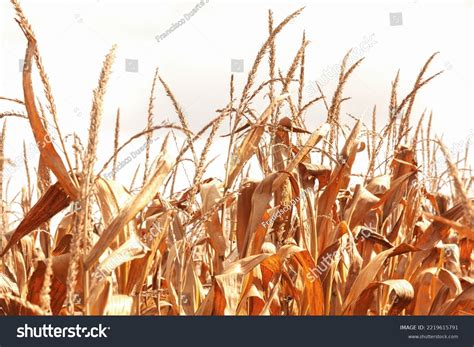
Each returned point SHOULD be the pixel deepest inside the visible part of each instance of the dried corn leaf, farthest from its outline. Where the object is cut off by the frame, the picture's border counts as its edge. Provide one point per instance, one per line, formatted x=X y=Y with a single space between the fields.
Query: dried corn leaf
x=44 y=141
x=133 y=248
x=403 y=295
x=248 y=146
x=52 y=202
x=368 y=273
x=128 y=212
x=463 y=302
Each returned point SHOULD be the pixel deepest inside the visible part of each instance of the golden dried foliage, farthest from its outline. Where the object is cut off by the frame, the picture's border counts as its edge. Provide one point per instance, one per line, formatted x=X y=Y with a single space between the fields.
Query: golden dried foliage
x=302 y=239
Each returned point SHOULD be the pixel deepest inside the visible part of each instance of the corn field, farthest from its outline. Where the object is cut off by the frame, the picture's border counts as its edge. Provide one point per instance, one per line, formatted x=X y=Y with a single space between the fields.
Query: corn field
x=308 y=235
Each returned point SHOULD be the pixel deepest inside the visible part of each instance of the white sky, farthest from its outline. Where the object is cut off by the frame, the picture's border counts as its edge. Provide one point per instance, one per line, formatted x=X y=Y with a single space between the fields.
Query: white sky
x=195 y=59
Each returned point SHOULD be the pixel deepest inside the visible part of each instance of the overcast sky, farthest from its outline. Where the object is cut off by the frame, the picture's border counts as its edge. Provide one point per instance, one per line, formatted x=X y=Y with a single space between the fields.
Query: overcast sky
x=195 y=57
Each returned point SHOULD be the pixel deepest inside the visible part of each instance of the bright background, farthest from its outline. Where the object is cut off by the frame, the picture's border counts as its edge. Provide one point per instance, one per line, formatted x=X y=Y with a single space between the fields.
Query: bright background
x=195 y=60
